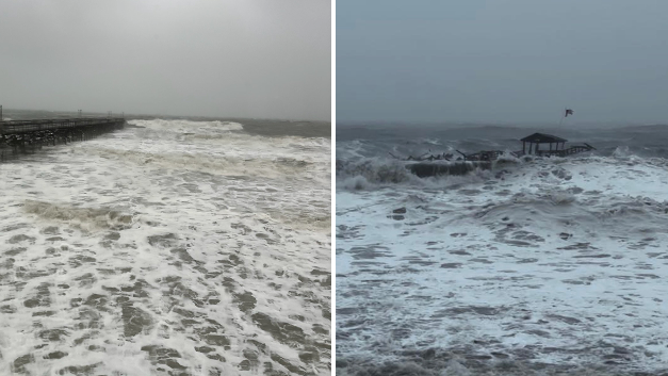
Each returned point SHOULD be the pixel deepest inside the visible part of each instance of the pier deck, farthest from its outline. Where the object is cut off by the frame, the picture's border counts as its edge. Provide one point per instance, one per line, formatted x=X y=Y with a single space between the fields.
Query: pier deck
x=18 y=134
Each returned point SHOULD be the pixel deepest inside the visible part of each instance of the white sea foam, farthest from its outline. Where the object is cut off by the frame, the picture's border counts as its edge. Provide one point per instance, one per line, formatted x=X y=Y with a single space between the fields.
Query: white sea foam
x=132 y=255
x=557 y=261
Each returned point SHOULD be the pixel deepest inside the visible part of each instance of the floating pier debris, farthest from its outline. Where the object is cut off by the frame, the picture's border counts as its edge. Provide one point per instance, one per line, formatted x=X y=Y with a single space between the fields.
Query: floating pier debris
x=447 y=164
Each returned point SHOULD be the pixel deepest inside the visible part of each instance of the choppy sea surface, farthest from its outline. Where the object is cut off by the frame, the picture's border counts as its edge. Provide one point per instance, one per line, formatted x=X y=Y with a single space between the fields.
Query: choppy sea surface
x=171 y=247
x=546 y=266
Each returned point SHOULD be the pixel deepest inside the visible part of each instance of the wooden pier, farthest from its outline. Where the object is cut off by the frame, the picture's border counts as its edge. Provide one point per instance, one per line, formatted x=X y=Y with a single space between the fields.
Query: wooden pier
x=428 y=165
x=566 y=152
x=560 y=150
x=19 y=134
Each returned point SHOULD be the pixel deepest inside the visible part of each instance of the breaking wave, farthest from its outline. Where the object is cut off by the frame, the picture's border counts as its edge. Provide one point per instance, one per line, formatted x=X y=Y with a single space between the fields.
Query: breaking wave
x=371 y=171
x=209 y=162
x=184 y=126
x=374 y=173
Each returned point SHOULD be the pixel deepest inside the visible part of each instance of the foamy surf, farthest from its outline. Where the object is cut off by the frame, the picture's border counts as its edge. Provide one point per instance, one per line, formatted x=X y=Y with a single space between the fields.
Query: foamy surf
x=136 y=255
x=537 y=267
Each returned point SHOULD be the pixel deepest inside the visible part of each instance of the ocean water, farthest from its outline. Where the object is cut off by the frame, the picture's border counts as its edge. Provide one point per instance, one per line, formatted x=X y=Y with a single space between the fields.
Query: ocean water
x=171 y=247
x=545 y=266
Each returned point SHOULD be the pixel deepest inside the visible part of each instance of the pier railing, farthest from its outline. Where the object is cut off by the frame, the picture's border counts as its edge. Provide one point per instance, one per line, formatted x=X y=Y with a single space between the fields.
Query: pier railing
x=34 y=125
x=565 y=152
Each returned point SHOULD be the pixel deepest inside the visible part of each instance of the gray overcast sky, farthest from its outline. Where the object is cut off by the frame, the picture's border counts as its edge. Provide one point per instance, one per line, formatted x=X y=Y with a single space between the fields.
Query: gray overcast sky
x=502 y=61
x=250 y=58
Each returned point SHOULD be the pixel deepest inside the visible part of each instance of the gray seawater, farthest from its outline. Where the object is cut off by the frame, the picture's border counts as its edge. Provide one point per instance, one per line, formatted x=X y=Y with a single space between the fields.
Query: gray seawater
x=547 y=266
x=172 y=247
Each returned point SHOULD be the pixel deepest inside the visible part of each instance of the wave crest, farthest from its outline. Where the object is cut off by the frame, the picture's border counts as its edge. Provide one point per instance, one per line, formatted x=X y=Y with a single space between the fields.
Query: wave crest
x=373 y=171
x=187 y=125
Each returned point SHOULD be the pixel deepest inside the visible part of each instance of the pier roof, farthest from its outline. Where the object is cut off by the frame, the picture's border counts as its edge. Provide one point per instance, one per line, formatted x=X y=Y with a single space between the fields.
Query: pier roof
x=542 y=138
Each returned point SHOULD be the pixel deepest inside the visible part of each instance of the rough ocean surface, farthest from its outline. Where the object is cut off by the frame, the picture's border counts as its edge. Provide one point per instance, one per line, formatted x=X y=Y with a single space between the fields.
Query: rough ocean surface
x=172 y=247
x=552 y=266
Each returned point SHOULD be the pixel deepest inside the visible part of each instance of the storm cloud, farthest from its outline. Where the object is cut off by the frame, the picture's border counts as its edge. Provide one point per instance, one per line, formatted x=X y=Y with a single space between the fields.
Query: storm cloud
x=252 y=58
x=502 y=61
